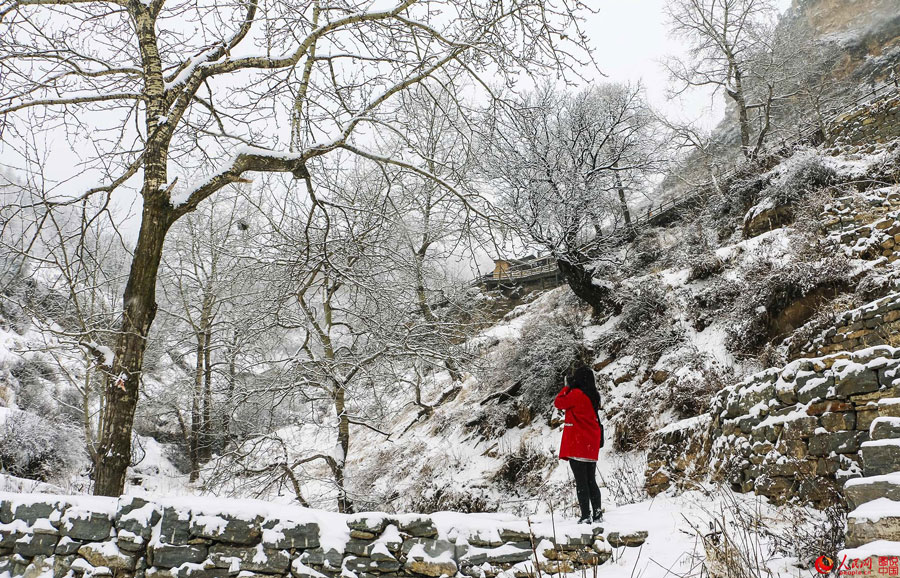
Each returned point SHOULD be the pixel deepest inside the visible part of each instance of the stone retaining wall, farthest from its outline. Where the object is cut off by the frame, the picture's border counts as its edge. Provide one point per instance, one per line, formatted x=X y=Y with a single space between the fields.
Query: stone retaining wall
x=84 y=537
x=875 y=122
x=784 y=432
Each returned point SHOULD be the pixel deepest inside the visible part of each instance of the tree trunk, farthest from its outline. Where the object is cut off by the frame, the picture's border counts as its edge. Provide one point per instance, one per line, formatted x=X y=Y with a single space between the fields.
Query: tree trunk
x=196 y=414
x=207 y=434
x=344 y=504
x=622 y=202
x=123 y=381
x=581 y=280
x=737 y=95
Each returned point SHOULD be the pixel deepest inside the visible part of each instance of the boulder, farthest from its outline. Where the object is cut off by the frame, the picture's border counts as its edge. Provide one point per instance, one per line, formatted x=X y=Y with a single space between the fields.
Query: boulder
x=287 y=535
x=223 y=528
x=87 y=525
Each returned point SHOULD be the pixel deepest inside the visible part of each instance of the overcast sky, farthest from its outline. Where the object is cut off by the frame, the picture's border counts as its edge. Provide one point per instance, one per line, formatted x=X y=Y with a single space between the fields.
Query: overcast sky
x=631 y=37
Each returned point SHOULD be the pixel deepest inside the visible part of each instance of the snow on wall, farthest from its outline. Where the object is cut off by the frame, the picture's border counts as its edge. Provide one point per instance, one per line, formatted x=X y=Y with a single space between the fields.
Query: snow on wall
x=167 y=538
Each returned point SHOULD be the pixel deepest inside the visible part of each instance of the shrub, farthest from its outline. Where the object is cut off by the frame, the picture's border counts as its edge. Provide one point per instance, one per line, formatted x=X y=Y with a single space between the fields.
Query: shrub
x=800 y=175
x=769 y=288
x=38 y=449
x=643 y=329
x=523 y=468
x=633 y=427
x=538 y=361
x=689 y=393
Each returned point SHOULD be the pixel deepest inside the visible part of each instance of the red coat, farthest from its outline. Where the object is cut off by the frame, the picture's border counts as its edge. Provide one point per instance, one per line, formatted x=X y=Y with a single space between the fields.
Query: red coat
x=581 y=433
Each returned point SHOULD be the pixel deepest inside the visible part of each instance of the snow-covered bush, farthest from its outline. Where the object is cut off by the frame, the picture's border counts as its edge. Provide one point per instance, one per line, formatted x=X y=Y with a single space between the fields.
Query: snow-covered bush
x=768 y=288
x=642 y=331
x=690 y=390
x=539 y=360
x=800 y=175
x=744 y=190
x=634 y=424
x=626 y=481
x=523 y=468
x=38 y=449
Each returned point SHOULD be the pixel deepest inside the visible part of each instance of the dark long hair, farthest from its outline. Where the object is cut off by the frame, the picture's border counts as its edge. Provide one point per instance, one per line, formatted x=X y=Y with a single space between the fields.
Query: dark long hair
x=582 y=377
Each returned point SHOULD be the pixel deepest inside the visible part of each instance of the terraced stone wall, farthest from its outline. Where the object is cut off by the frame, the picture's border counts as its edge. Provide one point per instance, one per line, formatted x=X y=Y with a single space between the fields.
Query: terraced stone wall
x=83 y=537
x=874 y=122
x=784 y=432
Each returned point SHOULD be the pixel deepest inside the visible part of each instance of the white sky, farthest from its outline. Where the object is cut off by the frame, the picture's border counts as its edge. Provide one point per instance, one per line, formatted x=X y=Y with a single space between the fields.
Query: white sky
x=631 y=38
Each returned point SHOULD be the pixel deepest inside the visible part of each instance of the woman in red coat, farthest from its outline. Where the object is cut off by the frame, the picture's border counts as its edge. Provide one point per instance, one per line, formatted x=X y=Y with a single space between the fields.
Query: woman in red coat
x=582 y=438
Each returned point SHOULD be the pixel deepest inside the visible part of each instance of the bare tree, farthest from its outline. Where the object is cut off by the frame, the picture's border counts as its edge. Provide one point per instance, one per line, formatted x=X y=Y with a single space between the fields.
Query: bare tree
x=722 y=36
x=148 y=104
x=560 y=162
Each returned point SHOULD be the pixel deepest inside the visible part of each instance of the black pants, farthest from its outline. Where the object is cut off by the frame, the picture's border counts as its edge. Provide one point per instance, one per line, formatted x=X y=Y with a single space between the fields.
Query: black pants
x=586 y=486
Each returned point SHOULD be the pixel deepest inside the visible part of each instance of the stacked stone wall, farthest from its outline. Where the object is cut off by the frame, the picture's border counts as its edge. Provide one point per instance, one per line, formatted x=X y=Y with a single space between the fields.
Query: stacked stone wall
x=875 y=122
x=784 y=432
x=82 y=537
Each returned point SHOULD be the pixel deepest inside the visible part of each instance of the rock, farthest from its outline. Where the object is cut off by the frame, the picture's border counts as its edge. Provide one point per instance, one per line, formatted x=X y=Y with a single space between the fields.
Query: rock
x=813 y=386
x=128 y=541
x=861 y=530
x=381 y=565
x=369 y=522
x=865 y=417
x=821 y=407
x=418 y=526
x=67 y=546
x=842 y=442
x=802 y=427
x=137 y=517
x=9 y=533
x=360 y=547
x=286 y=535
x=226 y=529
x=86 y=525
x=880 y=457
x=256 y=559
x=633 y=539
x=839 y=421
x=34 y=511
x=175 y=526
x=509 y=535
x=301 y=570
x=432 y=547
x=853 y=379
x=330 y=558
x=507 y=554
x=170 y=555
x=360 y=535
x=864 y=490
x=31 y=545
x=883 y=428
x=107 y=554
x=431 y=567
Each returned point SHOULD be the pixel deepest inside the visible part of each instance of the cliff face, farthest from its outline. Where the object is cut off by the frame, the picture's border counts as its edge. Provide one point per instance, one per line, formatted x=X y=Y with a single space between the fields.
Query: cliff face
x=868 y=32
